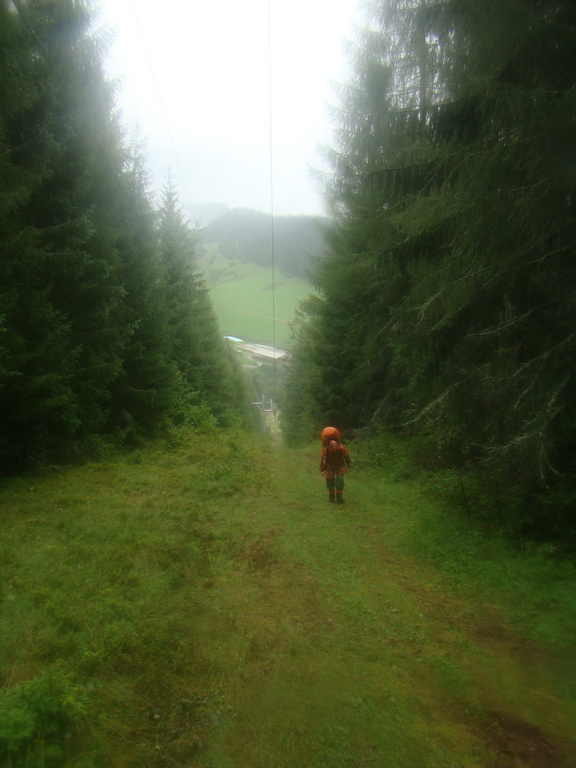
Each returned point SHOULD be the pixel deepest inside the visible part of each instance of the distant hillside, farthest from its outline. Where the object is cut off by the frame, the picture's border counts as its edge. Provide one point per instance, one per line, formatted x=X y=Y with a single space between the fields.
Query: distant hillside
x=246 y=235
x=205 y=213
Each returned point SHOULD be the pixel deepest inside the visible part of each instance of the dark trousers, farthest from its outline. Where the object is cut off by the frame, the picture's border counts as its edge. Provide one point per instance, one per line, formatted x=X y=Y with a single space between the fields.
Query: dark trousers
x=335 y=482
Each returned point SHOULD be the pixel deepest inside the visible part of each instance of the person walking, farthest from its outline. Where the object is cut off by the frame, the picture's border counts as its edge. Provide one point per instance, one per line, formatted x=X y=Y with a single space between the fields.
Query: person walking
x=334 y=463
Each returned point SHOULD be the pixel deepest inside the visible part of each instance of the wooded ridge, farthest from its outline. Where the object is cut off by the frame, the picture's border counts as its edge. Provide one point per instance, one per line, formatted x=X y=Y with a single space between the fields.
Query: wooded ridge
x=249 y=235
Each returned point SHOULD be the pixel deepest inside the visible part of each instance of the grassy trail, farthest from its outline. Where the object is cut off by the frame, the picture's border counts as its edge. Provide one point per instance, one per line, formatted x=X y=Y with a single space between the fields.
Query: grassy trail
x=229 y=617
x=343 y=650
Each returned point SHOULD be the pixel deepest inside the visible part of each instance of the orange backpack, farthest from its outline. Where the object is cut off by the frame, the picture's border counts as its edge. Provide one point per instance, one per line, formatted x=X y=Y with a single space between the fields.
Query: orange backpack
x=335 y=454
x=329 y=433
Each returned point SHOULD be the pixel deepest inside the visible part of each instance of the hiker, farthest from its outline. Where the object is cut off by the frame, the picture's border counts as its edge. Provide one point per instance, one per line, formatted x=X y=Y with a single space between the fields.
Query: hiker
x=334 y=463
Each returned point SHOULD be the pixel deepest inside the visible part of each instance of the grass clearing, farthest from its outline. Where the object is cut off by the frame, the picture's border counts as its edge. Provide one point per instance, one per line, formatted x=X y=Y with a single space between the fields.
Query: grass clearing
x=203 y=606
x=244 y=307
x=243 y=299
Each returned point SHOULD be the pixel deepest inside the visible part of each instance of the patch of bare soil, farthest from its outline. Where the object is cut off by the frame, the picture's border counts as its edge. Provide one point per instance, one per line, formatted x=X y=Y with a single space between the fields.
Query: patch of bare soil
x=259 y=553
x=519 y=744
x=507 y=656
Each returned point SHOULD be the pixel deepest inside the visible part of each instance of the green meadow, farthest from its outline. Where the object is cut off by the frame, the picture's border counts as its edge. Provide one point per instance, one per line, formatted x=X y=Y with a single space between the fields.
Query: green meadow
x=250 y=301
x=194 y=604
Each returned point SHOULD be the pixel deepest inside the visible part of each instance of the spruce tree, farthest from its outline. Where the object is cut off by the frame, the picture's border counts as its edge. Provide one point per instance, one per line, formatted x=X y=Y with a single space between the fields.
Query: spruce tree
x=451 y=258
x=39 y=350
x=207 y=370
x=66 y=318
x=72 y=208
x=145 y=392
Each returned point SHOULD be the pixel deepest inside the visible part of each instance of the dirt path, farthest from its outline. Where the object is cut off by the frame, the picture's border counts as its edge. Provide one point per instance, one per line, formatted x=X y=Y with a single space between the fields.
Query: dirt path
x=318 y=642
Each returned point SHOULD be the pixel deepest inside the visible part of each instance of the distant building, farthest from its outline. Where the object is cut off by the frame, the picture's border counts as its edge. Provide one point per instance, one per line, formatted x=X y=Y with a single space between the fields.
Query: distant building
x=261 y=352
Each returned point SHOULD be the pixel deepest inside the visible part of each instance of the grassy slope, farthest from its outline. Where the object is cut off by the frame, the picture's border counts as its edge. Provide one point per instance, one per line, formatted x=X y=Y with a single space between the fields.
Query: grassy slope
x=244 y=308
x=243 y=298
x=203 y=606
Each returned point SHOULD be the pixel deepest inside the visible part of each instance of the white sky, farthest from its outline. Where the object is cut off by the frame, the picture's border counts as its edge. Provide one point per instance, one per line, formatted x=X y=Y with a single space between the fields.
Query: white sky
x=195 y=75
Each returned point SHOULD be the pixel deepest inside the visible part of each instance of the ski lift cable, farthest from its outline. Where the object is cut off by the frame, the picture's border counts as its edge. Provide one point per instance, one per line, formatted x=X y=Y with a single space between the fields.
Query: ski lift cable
x=271 y=161
x=272 y=228
x=214 y=288
x=160 y=100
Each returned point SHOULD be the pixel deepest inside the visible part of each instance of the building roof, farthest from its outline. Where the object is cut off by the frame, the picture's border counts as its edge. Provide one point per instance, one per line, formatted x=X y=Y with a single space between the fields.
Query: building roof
x=268 y=353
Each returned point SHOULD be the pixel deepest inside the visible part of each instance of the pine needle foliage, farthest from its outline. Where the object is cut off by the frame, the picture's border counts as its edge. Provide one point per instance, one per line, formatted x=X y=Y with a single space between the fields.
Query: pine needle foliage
x=451 y=267
x=101 y=337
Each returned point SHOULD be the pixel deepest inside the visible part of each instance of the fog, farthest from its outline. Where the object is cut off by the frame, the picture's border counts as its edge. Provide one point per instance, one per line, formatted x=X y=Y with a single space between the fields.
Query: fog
x=232 y=97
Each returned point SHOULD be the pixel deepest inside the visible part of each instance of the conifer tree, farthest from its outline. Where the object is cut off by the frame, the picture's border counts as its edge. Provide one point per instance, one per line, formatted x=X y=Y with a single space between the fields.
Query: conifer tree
x=301 y=413
x=40 y=350
x=145 y=391
x=452 y=256
x=102 y=322
x=205 y=364
x=73 y=206
x=68 y=323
